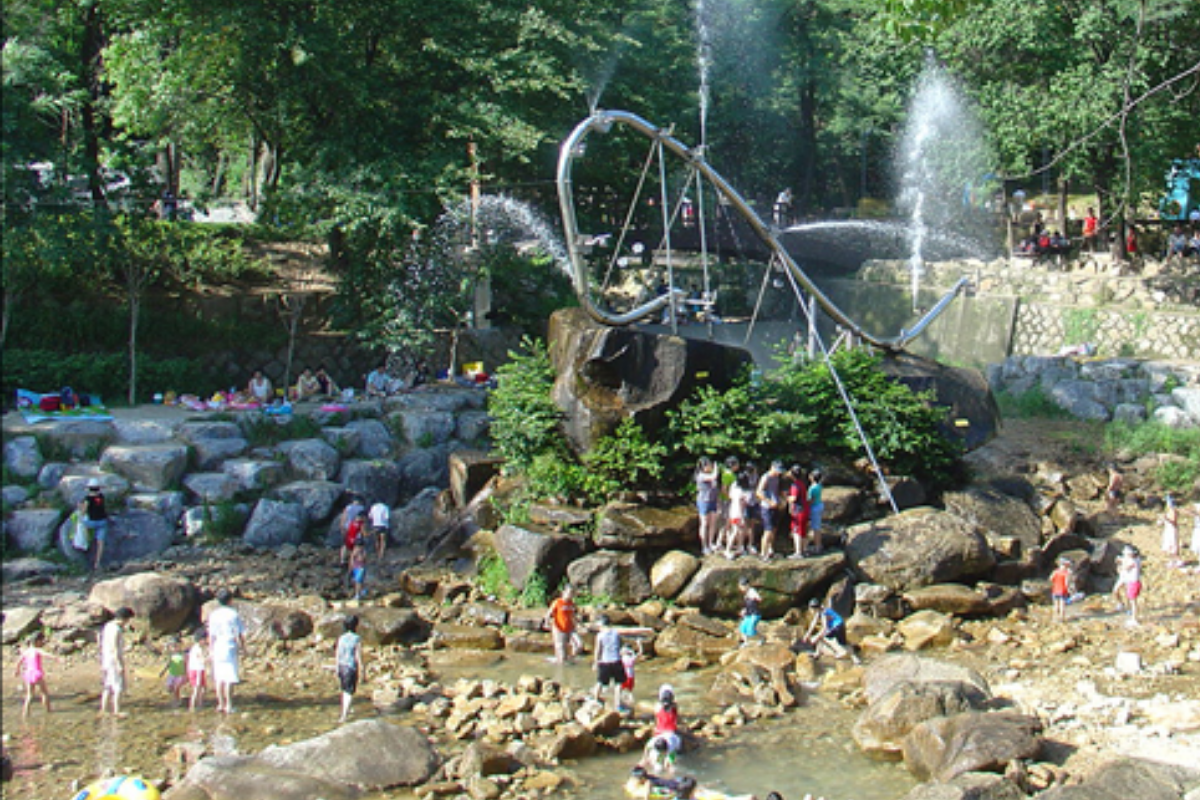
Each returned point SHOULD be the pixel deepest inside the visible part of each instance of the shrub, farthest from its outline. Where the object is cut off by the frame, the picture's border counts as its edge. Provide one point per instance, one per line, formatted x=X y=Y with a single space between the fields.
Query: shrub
x=102 y=374
x=492 y=577
x=525 y=421
x=1033 y=404
x=626 y=459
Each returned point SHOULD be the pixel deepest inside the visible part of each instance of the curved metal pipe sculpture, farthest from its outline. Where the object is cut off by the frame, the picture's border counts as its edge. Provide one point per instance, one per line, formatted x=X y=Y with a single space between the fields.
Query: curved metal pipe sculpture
x=602 y=122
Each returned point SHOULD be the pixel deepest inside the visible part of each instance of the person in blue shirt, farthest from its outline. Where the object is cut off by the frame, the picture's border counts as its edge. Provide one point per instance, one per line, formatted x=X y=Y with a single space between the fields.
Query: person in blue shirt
x=827 y=631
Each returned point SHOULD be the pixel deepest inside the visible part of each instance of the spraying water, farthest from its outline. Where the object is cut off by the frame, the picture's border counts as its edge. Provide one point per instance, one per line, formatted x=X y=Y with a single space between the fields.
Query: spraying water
x=942 y=156
x=703 y=63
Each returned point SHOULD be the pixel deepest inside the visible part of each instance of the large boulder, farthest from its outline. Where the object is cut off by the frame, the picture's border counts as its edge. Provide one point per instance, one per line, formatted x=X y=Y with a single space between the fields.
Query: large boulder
x=132 y=534
x=142 y=431
x=528 y=551
x=312 y=459
x=149 y=467
x=428 y=428
x=882 y=726
x=275 y=523
x=415 y=524
x=628 y=526
x=211 y=487
x=996 y=514
x=918 y=547
x=1127 y=778
x=927 y=628
x=897 y=668
x=949 y=598
x=377 y=480
x=239 y=777
x=968 y=786
x=606 y=374
x=672 y=572
x=971 y=414
x=371 y=755
x=160 y=602
x=423 y=468
x=783 y=583
x=23 y=458
x=617 y=575
x=374 y=439
x=273 y=622
x=318 y=498
x=378 y=625
x=19 y=622
x=974 y=741
x=685 y=641
x=253 y=475
x=32 y=530
x=80 y=438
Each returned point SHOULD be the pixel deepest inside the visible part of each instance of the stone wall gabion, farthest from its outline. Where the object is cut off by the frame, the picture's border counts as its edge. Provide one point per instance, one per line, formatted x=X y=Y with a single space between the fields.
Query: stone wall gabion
x=1044 y=329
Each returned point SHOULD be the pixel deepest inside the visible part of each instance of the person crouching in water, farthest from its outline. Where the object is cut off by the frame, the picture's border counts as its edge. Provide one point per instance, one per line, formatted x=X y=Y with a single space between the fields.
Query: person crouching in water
x=644 y=785
x=827 y=631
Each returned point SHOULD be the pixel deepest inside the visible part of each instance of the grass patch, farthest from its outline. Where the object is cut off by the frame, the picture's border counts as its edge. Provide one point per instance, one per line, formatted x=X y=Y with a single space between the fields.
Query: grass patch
x=1033 y=404
x=1154 y=438
x=262 y=430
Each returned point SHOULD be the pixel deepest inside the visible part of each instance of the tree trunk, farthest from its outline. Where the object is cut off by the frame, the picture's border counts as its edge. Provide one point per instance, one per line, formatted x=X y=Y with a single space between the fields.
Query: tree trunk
x=135 y=304
x=1064 y=189
x=90 y=49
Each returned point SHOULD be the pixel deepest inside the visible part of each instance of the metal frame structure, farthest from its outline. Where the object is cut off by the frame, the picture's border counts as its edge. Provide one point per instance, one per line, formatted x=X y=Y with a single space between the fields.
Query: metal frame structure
x=601 y=122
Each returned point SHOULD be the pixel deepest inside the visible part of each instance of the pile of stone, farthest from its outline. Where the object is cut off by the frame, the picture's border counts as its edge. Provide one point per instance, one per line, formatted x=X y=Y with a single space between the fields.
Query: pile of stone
x=1122 y=389
x=163 y=478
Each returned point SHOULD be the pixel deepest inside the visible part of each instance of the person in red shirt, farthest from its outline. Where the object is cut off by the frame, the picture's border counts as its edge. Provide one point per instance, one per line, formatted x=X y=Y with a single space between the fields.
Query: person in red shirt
x=1060 y=588
x=560 y=619
x=354 y=530
x=1091 y=226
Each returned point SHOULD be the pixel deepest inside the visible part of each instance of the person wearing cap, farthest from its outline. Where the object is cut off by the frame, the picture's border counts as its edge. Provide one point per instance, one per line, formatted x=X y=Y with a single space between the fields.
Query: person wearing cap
x=1060 y=588
x=95 y=517
x=226 y=637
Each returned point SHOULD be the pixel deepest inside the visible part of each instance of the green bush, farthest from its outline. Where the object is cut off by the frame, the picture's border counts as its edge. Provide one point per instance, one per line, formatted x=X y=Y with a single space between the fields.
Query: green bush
x=103 y=374
x=525 y=421
x=491 y=576
x=1033 y=404
x=627 y=459
x=1154 y=438
x=263 y=430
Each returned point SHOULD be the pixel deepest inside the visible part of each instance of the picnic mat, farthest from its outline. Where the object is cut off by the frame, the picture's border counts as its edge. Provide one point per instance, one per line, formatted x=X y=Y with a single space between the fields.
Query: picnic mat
x=29 y=404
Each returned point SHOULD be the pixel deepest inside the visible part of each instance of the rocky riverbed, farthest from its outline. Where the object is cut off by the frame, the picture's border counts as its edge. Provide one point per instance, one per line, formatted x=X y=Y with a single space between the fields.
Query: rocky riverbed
x=460 y=685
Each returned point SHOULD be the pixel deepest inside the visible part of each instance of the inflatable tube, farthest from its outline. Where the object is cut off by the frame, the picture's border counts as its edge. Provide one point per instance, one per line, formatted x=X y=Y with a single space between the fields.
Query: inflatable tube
x=122 y=787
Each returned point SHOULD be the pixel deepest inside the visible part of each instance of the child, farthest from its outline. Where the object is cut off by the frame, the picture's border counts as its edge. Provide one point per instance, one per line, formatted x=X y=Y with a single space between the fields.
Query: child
x=738 y=536
x=31 y=670
x=798 y=510
x=349 y=663
x=197 y=669
x=827 y=631
x=352 y=525
x=1060 y=588
x=644 y=784
x=751 y=616
x=816 y=508
x=1170 y=534
x=1112 y=494
x=1129 y=582
x=358 y=570
x=112 y=659
x=660 y=751
x=629 y=658
x=175 y=669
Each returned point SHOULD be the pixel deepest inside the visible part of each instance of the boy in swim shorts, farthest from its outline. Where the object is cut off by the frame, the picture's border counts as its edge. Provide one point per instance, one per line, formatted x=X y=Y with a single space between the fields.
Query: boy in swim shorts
x=751 y=616
x=175 y=669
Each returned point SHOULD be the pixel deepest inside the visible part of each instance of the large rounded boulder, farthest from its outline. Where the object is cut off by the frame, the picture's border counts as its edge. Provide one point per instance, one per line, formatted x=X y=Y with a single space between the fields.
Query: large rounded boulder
x=160 y=602
x=918 y=547
x=782 y=583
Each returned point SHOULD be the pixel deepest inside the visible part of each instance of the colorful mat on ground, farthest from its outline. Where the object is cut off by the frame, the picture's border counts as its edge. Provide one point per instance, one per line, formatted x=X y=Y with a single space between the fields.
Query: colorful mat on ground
x=32 y=408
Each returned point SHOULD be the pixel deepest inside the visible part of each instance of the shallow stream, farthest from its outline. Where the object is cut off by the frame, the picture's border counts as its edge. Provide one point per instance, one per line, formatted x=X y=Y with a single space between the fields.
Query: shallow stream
x=808 y=750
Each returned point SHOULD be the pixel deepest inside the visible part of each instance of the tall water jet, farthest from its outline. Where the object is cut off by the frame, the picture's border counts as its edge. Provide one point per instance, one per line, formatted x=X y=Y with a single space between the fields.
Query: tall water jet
x=704 y=60
x=943 y=157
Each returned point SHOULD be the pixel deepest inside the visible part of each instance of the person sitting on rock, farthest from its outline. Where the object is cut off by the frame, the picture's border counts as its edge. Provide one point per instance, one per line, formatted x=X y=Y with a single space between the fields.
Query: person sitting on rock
x=660 y=752
x=259 y=388
x=328 y=387
x=307 y=386
x=379 y=383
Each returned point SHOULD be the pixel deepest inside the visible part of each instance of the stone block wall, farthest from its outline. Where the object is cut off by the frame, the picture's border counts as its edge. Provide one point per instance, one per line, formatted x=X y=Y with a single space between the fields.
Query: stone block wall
x=1044 y=329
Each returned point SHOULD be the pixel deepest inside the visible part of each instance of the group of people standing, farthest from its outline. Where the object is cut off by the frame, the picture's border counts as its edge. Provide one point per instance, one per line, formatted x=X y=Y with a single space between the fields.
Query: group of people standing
x=742 y=512
x=363 y=530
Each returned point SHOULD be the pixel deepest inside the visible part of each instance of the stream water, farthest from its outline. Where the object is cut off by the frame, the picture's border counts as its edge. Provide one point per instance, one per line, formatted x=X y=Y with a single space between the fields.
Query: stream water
x=806 y=751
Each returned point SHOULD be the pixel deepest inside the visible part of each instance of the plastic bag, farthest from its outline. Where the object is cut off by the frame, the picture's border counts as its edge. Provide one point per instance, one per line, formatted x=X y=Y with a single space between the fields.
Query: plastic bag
x=80 y=535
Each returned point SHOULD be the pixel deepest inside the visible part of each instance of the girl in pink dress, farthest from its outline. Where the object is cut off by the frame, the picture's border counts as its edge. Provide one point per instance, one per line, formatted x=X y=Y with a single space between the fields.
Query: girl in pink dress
x=32 y=672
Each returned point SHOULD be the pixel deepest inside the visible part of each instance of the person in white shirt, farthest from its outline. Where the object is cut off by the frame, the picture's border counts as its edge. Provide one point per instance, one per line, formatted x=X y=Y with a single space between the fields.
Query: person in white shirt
x=226 y=637
x=381 y=517
x=112 y=659
x=260 y=388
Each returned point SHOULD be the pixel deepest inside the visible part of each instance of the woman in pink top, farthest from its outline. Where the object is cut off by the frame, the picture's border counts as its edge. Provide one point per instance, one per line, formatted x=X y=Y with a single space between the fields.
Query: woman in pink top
x=30 y=669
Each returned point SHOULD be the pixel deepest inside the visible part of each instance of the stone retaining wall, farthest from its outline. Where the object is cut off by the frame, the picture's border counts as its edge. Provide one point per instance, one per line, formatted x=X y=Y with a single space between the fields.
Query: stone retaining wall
x=1043 y=329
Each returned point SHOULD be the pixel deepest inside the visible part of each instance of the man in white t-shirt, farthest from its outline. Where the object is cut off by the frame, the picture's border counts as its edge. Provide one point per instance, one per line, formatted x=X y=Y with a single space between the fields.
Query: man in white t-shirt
x=226 y=637
x=381 y=517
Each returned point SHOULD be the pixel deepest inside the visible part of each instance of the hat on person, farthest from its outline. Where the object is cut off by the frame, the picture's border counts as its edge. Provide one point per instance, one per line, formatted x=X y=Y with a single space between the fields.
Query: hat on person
x=93 y=483
x=666 y=691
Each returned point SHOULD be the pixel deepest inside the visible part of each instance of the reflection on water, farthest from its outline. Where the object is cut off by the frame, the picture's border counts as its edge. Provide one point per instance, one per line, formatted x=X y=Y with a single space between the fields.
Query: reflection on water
x=809 y=750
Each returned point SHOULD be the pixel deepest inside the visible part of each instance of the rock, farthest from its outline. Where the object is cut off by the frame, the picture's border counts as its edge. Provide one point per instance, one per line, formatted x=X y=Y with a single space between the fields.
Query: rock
x=211 y=487
x=415 y=524
x=559 y=516
x=1124 y=779
x=149 y=467
x=168 y=505
x=783 y=583
x=878 y=601
x=918 y=547
x=423 y=468
x=378 y=625
x=971 y=413
x=997 y=514
x=377 y=480
x=160 y=603
x=345 y=440
x=466 y=637
x=606 y=374
x=626 y=526
x=470 y=471
x=948 y=598
x=14 y=496
x=199 y=430
x=318 y=498
x=860 y=626
x=428 y=428
x=1128 y=662
x=926 y=629
x=1079 y=398
x=968 y=786
x=83 y=439
x=274 y=523
x=253 y=475
x=672 y=572
x=974 y=741
x=210 y=454
x=881 y=728
x=843 y=504
x=142 y=431
x=682 y=641
x=32 y=530
x=20 y=569
x=374 y=439
x=472 y=426
x=23 y=458
x=570 y=741
x=370 y=754
x=19 y=622
x=527 y=551
x=890 y=670
x=51 y=474
x=481 y=758
x=312 y=459
x=610 y=574
x=907 y=492
x=272 y=622
x=239 y=777
x=72 y=487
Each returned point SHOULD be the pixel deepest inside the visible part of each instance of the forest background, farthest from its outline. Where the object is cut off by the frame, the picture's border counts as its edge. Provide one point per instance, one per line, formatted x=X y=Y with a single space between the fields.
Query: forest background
x=356 y=123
